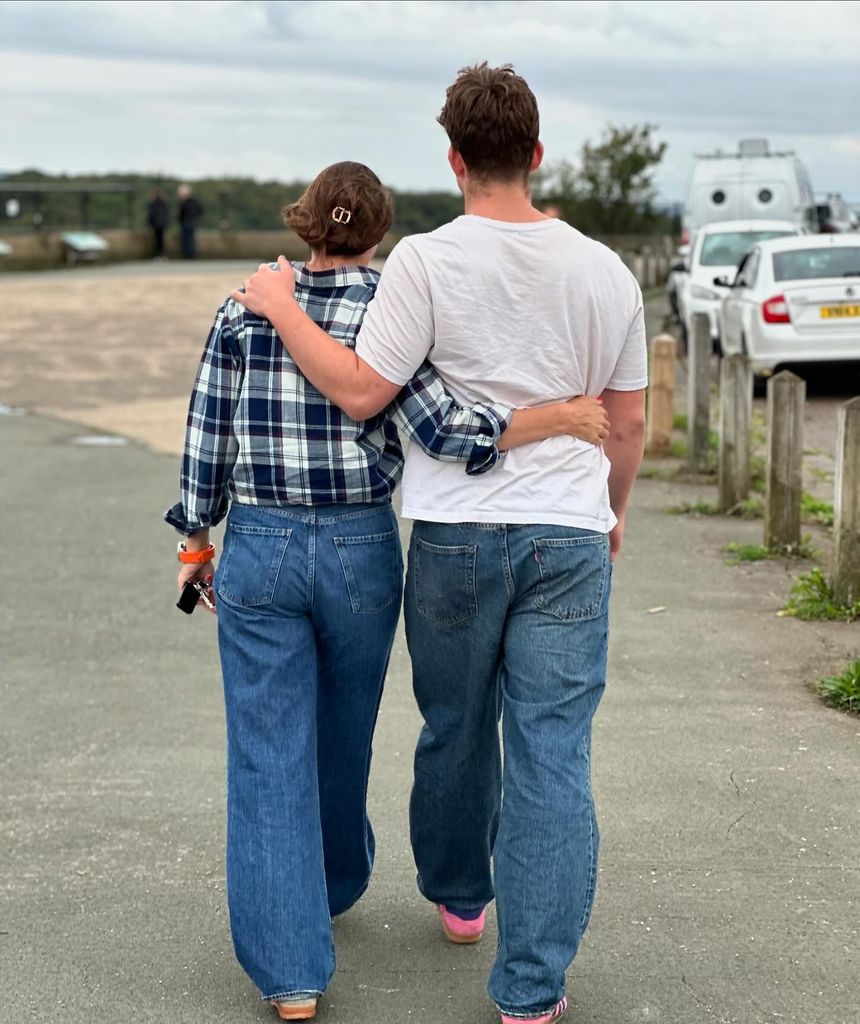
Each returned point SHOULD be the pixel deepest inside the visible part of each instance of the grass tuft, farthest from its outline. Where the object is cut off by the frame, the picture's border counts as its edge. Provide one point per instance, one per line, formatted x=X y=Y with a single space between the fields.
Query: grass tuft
x=679 y=421
x=759 y=552
x=842 y=691
x=812 y=598
x=816 y=509
x=749 y=508
x=748 y=553
x=678 y=448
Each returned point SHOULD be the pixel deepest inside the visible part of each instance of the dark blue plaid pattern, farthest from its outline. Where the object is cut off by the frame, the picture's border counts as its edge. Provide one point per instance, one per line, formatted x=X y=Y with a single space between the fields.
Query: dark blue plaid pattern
x=259 y=433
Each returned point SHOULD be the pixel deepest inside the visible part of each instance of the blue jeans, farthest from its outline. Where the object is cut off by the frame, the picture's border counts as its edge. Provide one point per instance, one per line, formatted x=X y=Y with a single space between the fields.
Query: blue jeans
x=510 y=621
x=308 y=601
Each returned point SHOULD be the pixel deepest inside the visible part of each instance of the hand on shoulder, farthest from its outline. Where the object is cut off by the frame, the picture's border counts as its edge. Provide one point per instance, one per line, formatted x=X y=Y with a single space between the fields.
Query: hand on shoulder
x=268 y=289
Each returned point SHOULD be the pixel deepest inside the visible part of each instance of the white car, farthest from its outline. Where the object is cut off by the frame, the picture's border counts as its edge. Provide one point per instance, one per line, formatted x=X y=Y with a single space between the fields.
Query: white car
x=795 y=300
x=717 y=250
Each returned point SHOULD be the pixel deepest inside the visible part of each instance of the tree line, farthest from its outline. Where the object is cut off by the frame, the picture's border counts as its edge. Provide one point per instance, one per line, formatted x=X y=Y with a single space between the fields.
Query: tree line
x=610 y=190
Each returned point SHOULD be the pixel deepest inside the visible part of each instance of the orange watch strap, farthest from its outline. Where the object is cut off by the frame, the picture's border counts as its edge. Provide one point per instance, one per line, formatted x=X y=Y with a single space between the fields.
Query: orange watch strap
x=196 y=557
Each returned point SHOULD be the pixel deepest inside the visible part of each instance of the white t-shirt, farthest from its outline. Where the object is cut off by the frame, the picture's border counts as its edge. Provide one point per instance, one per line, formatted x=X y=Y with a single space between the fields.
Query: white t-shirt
x=518 y=313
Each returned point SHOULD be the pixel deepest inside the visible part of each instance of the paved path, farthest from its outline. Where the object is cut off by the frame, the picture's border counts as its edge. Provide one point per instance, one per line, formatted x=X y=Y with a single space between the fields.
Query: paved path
x=728 y=795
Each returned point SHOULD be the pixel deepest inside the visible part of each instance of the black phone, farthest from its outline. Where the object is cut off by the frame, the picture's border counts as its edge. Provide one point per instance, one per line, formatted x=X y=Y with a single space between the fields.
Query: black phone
x=191 y=594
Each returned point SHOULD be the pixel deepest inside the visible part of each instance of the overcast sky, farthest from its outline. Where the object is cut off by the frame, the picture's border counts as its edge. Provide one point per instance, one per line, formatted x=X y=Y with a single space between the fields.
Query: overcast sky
x=280 y=89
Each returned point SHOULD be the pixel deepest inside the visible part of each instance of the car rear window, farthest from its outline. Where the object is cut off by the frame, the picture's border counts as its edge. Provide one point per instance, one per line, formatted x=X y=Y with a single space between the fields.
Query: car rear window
x=727 y=249
x=806 y=264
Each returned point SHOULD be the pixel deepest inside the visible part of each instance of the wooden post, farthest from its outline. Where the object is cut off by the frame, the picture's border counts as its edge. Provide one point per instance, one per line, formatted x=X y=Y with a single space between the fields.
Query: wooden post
x=699 y=394
x=736 y=393
x=846 y=506
x=786 y=395
x=661 y=395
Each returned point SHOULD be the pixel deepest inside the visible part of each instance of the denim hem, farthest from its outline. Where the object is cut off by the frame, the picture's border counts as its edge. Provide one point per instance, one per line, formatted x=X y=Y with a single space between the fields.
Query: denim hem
x=529 y=1014
x=352 y=902
x=446 y=902
x=301 y=993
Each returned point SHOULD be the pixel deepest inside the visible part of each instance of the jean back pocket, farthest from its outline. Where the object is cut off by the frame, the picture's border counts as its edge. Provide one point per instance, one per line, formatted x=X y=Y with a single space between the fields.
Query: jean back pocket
x=373 y=570
x=251 y=563
x=574 y=576
x=445 y=581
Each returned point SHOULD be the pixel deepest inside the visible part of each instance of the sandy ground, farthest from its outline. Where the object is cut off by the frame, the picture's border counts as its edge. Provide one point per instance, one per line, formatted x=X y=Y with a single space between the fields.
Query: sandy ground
x=114 y=349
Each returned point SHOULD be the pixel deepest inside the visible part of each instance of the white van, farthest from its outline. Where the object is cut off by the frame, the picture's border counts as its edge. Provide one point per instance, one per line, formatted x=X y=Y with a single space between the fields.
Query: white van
x=752 y=184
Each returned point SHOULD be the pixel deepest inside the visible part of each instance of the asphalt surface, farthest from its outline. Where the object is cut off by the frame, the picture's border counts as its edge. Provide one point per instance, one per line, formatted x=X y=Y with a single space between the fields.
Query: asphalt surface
x=727 y=793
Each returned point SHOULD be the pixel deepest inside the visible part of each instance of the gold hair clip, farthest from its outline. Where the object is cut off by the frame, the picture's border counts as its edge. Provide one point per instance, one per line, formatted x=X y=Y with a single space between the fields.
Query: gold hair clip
x=341 y=215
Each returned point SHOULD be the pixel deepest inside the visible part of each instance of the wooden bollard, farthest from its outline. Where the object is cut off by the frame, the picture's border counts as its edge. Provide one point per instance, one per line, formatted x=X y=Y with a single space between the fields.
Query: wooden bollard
x=699 y=394
x=846 y=506
x=661 y=395
x=786 y=395
x=736 y=393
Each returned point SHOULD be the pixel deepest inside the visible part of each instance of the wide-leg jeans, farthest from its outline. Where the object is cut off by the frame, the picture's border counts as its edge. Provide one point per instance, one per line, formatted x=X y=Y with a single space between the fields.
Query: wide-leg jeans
x=308 y=602
x=510 y=621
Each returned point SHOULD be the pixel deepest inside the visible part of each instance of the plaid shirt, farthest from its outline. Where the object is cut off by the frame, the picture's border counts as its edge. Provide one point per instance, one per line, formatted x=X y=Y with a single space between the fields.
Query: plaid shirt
x=261 y=434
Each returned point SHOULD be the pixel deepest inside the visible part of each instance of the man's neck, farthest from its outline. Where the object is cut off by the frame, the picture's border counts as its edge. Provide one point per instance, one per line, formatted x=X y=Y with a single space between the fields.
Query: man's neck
x=503 y=202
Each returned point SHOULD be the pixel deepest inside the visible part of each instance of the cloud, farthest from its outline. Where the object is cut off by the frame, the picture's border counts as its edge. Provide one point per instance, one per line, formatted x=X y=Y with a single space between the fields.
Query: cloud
x=279 y=89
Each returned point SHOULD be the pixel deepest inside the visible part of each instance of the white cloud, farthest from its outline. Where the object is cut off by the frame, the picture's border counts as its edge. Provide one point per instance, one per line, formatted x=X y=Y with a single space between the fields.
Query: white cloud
x=279 y=89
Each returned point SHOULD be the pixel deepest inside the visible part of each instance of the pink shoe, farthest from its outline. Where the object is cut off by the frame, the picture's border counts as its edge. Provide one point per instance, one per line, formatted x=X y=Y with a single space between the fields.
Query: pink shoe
x=461 y=932
x=554 y=1014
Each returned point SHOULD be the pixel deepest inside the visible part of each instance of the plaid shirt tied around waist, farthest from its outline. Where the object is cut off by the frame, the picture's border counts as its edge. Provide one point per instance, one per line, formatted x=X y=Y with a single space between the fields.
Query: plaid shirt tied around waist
x=260 y=433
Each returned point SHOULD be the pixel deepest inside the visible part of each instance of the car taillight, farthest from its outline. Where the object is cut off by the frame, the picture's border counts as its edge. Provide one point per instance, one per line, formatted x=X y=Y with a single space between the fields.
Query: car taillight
x=775 y=310
x=685 y=236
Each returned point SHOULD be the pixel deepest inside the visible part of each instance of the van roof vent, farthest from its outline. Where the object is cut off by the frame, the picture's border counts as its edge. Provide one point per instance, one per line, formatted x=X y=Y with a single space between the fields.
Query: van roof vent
x=753 y=147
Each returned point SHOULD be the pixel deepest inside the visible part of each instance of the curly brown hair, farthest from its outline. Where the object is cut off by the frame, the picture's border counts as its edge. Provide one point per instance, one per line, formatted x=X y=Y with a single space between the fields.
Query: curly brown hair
x=344 y=211
x=491 y=119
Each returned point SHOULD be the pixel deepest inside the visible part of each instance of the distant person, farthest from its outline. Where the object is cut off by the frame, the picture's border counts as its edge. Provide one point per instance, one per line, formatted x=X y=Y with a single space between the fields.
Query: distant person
x=158 y=217
x=552 y=211
x=309 y=585
x=190 y=211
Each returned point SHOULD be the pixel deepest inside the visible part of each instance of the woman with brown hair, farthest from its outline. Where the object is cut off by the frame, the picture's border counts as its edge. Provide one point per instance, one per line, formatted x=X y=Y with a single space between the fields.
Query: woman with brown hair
x=309 y=584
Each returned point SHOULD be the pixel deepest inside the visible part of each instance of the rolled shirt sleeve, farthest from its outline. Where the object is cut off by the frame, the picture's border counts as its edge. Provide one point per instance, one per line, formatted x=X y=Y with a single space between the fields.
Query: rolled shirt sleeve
x=429 y=416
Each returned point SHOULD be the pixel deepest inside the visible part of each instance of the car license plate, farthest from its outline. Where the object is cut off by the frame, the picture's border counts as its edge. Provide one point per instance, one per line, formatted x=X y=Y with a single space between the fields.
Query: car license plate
x=837 y=312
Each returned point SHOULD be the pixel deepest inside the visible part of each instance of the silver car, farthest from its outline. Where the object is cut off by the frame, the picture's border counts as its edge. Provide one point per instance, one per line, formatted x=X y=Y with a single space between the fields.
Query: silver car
x=795 y=300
